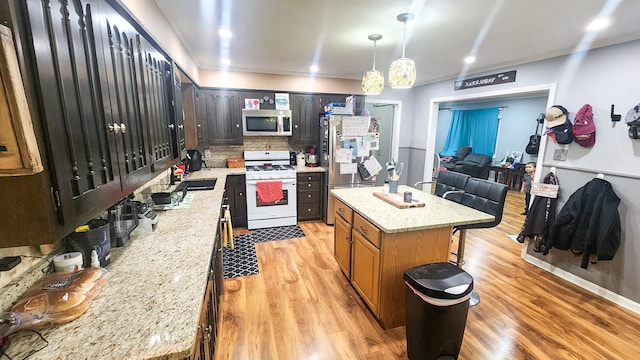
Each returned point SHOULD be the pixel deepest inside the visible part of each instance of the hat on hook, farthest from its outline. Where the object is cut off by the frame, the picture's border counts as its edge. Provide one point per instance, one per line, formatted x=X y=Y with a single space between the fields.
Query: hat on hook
x=584 y=129
x=556 y=116
x=633 y=116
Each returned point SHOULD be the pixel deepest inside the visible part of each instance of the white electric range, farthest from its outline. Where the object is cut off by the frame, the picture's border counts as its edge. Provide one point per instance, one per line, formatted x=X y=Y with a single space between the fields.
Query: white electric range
x=270 y=166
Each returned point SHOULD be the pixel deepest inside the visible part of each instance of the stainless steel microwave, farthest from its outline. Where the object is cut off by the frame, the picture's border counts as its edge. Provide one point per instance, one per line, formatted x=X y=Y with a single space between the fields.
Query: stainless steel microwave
x=266 y=122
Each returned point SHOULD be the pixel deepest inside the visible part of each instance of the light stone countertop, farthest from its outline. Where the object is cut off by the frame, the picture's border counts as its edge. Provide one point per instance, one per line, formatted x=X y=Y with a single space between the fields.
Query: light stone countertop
x=437 y=212
x=150 y=304
x=307 y=169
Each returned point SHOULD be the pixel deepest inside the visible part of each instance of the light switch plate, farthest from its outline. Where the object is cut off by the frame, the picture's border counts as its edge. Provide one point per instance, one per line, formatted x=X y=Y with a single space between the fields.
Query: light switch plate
x=560 y=154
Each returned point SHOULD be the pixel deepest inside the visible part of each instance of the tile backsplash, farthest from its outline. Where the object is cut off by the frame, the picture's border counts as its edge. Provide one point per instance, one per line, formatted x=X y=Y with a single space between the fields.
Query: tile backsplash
x=220 y=153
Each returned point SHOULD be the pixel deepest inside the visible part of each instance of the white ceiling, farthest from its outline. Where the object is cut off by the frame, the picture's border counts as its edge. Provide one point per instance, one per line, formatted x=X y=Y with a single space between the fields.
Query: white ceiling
x=287 y=36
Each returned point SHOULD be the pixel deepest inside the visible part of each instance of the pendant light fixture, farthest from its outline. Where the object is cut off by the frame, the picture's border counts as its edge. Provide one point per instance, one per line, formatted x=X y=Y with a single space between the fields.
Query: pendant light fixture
x=402 y=72
x=373 y=80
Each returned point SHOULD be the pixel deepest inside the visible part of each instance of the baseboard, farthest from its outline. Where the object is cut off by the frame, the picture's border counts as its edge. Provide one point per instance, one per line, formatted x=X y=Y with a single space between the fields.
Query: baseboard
x=587 y=285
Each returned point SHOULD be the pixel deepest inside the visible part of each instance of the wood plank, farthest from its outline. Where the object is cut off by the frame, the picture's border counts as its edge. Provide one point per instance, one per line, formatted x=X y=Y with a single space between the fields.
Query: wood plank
x=19 y=154
x=397 y=200
x=301 y=306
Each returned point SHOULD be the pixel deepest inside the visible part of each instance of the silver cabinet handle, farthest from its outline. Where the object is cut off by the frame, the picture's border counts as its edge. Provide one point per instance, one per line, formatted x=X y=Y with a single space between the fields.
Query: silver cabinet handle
x=123 y=128
x=237 y=125
x=180 y=126
x=171 y=126
x=199 y=125
x=115 y=128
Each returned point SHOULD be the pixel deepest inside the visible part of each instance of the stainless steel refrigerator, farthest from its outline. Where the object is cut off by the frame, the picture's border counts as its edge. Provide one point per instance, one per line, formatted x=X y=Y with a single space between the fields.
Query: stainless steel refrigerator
x=339 y=135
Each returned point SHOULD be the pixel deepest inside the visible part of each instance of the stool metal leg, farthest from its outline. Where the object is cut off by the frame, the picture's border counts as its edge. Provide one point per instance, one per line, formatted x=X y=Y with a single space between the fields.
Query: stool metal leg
x=462 y=238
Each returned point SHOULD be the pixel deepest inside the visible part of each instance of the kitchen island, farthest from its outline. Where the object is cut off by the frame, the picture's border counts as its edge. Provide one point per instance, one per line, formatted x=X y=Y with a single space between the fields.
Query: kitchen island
x=376 y=242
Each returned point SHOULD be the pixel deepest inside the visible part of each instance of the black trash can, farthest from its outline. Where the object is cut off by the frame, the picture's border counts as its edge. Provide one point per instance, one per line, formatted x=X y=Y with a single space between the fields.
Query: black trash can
x=437 y=302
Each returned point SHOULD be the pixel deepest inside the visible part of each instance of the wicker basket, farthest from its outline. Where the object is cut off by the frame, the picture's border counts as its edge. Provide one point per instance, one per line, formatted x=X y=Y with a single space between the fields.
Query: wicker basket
x=235 y=163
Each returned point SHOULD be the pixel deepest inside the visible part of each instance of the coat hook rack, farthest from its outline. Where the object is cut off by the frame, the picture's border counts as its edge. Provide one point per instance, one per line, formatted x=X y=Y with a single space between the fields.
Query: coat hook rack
x=615 y=117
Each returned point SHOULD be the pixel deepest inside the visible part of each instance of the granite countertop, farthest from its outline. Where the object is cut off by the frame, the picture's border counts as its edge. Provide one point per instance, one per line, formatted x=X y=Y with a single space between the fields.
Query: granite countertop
x=307 y=169
x=437 y=212
x=150 y=305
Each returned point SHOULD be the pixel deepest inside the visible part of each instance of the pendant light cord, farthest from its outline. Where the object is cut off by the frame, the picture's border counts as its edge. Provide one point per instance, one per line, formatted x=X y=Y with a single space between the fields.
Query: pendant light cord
x=374 y=55
x=404 y=35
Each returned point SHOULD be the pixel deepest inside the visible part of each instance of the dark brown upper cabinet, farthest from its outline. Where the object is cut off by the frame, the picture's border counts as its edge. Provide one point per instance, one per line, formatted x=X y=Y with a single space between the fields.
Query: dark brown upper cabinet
x=100 y=96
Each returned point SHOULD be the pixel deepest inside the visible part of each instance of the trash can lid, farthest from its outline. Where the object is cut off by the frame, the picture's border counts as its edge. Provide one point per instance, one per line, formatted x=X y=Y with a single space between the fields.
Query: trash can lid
x=440 y=280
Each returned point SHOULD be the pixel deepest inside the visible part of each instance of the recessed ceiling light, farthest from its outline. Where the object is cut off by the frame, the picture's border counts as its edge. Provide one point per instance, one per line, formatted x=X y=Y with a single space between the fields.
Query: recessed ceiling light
x=469 y=59
x=225 y=33
x=225 y=61
x=314 y=68
x=598 y=24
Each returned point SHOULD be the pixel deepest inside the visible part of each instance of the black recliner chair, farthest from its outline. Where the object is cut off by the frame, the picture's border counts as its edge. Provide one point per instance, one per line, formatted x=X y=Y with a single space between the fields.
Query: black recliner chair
x=474 y=165
x=460 y=154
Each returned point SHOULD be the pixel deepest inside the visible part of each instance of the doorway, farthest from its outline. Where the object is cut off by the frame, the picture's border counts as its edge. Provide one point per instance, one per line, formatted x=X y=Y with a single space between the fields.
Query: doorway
x=548 y=90
x=388 y=111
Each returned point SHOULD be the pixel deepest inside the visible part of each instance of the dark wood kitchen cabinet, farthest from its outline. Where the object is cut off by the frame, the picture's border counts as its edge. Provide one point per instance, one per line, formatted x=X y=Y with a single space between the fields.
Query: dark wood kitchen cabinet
x=207 y=331
x=310 y=195
x=98 y=91
x=235 y=191
x=305 y=110
x=219 y=117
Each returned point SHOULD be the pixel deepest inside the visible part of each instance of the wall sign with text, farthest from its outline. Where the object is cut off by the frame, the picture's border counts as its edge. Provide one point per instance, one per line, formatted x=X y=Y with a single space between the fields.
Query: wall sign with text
x=494 y=79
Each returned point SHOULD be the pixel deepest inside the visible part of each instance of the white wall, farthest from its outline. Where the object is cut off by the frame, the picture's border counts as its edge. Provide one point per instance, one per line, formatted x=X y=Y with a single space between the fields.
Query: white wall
x=602 y=77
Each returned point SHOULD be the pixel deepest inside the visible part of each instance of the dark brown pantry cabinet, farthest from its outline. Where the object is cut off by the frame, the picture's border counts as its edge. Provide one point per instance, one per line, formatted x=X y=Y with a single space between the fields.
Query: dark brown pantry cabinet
x=100 y=93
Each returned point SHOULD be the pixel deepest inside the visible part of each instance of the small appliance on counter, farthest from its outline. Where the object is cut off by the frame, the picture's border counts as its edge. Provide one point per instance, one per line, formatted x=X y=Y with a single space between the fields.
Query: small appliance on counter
x=123 y=217
x=311 y=158
x=94 y=236
x=147 y=220
x=293 y=158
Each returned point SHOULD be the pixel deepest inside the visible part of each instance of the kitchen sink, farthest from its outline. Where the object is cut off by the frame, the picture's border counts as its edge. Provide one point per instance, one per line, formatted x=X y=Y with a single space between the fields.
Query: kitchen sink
x=194 y=185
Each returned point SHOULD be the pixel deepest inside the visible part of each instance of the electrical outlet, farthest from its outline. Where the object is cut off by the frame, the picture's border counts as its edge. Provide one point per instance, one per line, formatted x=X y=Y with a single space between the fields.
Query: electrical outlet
x=560 y=154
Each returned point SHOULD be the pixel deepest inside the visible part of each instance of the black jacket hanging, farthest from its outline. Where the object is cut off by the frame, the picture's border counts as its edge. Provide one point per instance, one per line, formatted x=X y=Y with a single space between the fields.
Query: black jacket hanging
x=540 y=217
x=589 y=223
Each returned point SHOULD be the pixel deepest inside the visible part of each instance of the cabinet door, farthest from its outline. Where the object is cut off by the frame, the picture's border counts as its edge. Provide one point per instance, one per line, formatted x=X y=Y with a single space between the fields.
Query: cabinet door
x=365 y=270
x=73 y=106
x=235 y=190
x=155 y=87
x=342 y=244
x=190 y=122
x=202 y=122
x=224 y=116
x=305 y=111
x=174 y=88
x=125 y=118
x=203 y=348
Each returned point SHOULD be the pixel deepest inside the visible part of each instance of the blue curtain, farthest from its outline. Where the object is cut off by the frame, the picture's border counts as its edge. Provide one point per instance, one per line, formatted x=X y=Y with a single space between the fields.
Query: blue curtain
x=475 y=128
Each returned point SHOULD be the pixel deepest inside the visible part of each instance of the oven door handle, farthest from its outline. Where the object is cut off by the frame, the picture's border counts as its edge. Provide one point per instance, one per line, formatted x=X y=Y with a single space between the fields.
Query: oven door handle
x=284 y=182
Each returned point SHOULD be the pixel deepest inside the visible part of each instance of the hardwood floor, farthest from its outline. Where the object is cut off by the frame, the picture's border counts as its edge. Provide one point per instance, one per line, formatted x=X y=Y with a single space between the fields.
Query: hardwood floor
x=301 y=306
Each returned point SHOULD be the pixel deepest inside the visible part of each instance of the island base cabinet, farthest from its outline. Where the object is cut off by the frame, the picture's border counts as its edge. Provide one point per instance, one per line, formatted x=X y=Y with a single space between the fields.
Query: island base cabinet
x=365 y=270
x=342 y=245
x=375 y=261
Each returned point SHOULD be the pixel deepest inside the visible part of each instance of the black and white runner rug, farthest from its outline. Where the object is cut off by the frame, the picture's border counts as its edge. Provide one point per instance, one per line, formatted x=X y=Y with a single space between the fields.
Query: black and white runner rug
x=242 y=260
